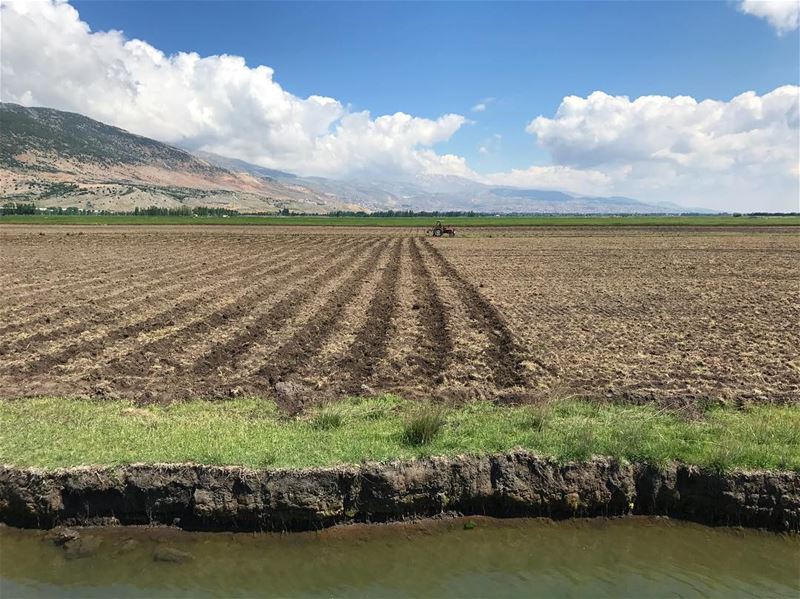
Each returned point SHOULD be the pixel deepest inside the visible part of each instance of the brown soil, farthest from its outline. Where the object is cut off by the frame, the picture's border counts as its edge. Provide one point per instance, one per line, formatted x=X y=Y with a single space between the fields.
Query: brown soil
x=682 y=317
x=438 y=340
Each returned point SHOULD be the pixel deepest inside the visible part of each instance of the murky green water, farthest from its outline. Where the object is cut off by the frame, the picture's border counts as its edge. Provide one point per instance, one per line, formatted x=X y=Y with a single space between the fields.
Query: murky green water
x=628 y=557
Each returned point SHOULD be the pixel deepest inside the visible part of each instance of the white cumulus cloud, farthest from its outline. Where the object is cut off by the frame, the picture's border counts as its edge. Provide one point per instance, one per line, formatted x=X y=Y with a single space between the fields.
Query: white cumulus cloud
x=783 y=15
x=215 y=103
x=712 y=152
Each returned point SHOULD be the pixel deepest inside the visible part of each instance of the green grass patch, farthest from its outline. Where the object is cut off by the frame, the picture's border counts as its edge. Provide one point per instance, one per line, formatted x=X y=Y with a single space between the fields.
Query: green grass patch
x=54 y=432
x=412 y=221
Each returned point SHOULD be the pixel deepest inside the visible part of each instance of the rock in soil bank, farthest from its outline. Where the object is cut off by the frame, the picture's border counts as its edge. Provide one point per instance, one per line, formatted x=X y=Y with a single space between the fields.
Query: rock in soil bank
x=514 y=484
x=82 y=547
x=171 y=555
x=61 y=536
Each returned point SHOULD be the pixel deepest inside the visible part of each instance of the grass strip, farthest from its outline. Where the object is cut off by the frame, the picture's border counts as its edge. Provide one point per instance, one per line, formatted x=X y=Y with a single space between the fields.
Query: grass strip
x=58 y=432
x=409 y=221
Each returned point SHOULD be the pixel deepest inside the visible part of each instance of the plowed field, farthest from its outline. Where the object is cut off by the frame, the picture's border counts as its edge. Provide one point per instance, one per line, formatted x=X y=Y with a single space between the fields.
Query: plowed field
x=162 y=313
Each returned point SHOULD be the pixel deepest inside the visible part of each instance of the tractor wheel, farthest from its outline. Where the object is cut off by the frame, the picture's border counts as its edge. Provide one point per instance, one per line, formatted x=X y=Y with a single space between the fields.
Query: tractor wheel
x=437 y=232
x=452 y=234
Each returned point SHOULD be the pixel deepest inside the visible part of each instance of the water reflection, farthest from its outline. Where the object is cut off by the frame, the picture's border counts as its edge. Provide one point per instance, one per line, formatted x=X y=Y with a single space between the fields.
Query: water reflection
x=498 y=558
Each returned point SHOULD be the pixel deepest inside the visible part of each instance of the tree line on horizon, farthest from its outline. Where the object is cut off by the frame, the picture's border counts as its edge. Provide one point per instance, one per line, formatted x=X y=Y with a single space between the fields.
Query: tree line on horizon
x=30 y=208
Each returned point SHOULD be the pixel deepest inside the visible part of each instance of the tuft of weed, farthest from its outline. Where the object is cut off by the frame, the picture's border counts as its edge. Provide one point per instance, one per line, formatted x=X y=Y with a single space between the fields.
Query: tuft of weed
x=328 y=418
x=720 y=461
x=266 y=459
x=375 y=413
x=579 y=440
x=538 y=416
x=424 y=425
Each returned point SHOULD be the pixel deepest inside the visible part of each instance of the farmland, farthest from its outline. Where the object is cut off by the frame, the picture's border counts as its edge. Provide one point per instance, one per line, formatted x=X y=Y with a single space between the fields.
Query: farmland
x=676 y=317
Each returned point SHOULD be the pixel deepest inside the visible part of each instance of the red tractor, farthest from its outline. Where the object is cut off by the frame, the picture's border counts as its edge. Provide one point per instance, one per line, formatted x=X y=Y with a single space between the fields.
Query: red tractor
x=439 y=230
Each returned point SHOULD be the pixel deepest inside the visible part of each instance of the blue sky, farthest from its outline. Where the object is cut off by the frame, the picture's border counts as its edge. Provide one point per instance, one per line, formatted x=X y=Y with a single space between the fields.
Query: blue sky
x=429 y=59
x=691 y=102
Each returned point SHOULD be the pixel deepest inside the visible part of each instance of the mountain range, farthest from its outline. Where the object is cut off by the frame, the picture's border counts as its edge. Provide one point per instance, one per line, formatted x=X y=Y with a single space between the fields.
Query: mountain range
x=57 y=158
x=65 y=159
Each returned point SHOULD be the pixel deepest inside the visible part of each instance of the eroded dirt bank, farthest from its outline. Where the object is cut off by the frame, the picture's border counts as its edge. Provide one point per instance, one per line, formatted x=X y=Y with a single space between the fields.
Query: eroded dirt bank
x=514 y=484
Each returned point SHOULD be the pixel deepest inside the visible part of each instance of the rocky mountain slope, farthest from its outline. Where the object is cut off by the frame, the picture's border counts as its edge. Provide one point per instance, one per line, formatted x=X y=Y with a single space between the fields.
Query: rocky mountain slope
x=64 y=159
